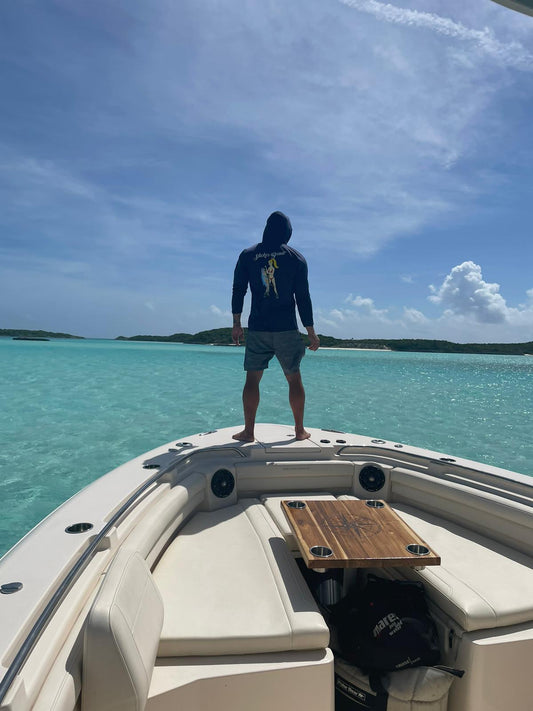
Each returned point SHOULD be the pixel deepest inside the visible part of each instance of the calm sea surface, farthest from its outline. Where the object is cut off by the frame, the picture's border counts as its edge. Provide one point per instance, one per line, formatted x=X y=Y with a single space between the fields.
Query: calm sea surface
x=72 y=410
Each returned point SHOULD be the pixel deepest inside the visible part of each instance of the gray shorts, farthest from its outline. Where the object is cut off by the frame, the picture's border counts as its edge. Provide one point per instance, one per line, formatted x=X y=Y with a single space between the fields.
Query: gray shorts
x=261 y=346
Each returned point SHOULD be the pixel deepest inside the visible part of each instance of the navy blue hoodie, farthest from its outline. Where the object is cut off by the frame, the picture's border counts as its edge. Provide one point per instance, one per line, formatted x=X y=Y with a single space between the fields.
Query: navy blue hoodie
x=277 y=275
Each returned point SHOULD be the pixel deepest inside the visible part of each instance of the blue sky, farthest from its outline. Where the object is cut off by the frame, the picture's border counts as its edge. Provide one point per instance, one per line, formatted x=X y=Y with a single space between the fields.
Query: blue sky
x=143 y=145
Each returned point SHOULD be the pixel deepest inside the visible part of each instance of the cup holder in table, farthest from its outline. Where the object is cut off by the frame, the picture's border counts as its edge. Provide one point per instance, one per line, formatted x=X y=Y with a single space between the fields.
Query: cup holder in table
x=296 y=504
x=417 y=549
x=375 y=504
x=321 y=551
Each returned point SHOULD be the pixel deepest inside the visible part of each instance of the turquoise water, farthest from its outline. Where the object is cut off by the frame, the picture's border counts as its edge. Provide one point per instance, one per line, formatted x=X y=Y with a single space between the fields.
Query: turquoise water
x=73 y=410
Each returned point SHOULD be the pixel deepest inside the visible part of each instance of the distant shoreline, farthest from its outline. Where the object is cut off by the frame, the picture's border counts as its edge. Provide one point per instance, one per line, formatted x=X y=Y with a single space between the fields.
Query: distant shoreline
x=347 y=348
x=222 y=337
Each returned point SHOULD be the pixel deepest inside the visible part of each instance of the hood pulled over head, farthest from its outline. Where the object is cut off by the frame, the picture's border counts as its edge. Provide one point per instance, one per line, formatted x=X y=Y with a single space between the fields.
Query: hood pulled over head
x=278 y=230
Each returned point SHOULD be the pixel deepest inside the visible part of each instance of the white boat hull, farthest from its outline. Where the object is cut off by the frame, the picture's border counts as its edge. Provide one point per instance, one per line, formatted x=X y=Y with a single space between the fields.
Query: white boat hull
x=233 y=635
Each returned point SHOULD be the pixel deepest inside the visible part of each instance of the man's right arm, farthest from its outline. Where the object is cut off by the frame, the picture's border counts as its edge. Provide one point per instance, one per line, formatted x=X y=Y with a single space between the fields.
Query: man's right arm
x=237 y=331
x=240 y=286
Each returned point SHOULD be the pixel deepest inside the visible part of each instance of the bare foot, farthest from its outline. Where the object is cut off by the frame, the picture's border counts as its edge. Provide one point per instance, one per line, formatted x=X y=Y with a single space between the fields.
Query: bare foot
x=302 y=435
x=244 y=436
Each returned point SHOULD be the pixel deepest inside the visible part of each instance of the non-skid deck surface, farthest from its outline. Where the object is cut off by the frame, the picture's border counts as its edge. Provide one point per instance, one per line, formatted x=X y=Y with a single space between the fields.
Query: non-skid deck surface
x=357 y=534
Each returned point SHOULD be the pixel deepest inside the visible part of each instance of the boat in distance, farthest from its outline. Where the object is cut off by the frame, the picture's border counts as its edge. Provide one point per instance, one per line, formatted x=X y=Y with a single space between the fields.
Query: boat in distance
x=177 y=581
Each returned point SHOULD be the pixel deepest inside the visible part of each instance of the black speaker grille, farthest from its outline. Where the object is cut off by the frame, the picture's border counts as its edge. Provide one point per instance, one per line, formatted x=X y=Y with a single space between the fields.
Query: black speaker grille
x=222 y=483
x=371 y=478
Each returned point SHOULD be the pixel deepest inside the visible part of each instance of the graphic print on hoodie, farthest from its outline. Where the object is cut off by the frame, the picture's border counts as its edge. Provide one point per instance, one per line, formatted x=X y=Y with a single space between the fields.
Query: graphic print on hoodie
x=267 y=274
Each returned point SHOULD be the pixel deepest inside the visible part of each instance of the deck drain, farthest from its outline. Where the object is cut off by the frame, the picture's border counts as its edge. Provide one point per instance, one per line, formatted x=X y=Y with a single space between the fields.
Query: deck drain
x=10 y=588
x=78 y=527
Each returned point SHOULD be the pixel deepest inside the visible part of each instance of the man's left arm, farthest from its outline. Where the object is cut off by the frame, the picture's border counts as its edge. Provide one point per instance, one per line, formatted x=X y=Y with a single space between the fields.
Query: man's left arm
x=305 y=307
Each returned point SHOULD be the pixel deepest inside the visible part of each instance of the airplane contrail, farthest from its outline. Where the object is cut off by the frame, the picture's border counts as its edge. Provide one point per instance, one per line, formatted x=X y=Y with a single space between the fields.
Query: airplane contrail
x=512 y=54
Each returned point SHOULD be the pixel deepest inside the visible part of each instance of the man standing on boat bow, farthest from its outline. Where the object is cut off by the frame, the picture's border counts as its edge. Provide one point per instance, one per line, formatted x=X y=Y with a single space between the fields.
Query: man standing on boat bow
x=277 y=275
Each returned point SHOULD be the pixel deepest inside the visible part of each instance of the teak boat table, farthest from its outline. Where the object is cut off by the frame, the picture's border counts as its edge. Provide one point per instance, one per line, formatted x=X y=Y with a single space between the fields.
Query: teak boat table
x=355 y=534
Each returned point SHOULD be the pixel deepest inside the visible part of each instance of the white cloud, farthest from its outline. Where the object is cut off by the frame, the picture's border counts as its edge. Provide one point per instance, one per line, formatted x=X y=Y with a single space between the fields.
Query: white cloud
x=367 y=305
x=465 y=292
x=359 y=319
x=414 y=316
x=472 y=310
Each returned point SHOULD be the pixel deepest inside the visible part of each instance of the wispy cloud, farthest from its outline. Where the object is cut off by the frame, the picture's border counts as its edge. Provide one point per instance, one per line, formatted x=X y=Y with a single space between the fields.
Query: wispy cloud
x=371 y=130
x=44 y=177
x=221 y=313
x=356 y=125
x=154 y=157
x=512 y=54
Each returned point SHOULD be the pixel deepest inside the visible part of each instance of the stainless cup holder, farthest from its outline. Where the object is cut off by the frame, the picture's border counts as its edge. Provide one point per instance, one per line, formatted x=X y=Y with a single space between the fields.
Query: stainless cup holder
x=417 y=549
x=321 y=551
x=375 y=504
x=296 y=504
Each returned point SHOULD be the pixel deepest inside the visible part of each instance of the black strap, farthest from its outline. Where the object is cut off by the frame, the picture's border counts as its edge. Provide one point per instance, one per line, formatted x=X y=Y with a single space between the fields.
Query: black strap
x=382 y=695
x=450 y=670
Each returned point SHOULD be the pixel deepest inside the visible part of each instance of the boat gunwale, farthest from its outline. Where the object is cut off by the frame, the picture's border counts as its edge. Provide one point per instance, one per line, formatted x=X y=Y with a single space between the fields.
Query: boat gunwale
x=81 y=563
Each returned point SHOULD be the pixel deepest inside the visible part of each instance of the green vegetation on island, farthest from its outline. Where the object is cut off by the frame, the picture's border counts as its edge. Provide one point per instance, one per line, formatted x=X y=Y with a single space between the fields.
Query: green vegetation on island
x=222 y=337
x=21 y=333
x=420 y=345
x=174 y=338
x=214 y=337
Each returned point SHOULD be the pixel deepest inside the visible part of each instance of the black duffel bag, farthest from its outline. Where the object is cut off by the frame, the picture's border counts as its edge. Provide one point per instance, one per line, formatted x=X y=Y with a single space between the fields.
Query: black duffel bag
x=386 y=627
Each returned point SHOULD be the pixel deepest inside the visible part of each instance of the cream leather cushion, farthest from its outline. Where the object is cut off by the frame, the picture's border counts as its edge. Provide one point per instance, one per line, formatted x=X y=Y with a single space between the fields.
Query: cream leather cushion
x=231 y=586
x=121 y=637
x=479 y=583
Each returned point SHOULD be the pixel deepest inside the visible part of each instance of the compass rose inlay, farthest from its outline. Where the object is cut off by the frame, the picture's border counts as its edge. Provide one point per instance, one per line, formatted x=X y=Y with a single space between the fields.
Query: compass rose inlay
x=364 y=525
